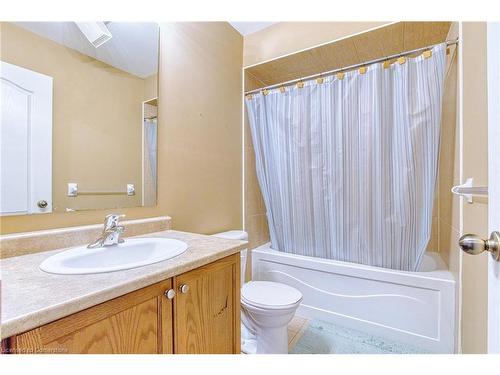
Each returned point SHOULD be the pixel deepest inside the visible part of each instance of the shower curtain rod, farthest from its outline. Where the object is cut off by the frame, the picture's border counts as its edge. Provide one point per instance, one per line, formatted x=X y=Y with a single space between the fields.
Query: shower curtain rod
x=350 y=67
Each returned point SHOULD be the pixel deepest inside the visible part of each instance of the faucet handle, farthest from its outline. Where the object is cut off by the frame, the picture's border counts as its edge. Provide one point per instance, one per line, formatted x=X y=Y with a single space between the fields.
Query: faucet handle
x=111 y=220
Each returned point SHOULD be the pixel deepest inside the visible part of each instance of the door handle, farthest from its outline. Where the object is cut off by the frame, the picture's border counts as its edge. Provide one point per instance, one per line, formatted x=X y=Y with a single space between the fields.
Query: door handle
x=472 y=244
x=42 y=203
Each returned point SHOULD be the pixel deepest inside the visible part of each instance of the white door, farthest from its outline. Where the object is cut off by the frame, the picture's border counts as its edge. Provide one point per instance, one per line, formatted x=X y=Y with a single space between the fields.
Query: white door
x=26 y=141
x=493 y=182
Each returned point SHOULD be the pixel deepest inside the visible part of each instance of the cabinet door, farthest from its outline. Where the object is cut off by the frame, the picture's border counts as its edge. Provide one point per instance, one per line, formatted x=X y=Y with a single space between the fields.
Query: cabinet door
x=138 y=322
x=207 y=314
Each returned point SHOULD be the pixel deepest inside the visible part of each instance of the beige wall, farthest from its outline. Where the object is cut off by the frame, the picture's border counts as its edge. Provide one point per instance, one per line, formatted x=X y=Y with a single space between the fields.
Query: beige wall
x=97 y=112
x=372 y=44
x=151 y=87
x=289 y=37
x=199 y=179
x=475 y=164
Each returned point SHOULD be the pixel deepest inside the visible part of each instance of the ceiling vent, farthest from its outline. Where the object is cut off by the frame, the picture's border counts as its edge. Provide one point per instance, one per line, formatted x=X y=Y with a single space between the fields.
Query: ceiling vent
x=96 y=32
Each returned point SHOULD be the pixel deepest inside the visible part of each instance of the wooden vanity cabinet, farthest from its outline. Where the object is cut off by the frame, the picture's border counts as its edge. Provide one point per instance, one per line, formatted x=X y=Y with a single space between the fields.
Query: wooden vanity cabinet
x=202 y=317
x=207 y=309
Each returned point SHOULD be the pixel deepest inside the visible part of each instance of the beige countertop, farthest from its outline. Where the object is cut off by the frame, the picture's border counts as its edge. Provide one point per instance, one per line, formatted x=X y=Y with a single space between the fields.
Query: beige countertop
x=31 y=297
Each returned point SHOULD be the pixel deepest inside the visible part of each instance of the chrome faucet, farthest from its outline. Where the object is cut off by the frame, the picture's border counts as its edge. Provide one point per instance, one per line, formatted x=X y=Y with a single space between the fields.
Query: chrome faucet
x=111 y=232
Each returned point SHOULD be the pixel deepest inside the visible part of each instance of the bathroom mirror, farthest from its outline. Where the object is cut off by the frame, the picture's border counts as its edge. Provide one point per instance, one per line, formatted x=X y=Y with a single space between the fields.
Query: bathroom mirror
x=78 y=122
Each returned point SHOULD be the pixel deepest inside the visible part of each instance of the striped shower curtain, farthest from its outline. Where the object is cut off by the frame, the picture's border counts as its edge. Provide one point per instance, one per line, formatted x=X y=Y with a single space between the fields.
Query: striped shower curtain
x=347 y=167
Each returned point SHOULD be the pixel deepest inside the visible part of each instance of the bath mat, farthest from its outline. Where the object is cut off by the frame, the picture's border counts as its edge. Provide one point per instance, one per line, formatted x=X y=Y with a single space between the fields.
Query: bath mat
x=326 y=338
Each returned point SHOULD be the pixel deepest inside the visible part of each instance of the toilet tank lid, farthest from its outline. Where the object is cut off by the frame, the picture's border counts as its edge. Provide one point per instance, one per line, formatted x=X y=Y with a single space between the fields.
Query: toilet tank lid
x=233 y=235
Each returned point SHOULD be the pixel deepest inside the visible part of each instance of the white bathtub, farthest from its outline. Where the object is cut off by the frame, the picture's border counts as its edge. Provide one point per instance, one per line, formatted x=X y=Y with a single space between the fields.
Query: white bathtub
x=417 y=308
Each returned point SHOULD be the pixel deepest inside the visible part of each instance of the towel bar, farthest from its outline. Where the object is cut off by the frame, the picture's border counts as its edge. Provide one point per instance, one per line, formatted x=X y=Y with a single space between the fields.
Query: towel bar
x=74 y=192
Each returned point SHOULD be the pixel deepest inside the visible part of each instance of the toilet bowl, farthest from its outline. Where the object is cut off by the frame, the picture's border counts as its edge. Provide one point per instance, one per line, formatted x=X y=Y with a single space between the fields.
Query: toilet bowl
x=266 y=309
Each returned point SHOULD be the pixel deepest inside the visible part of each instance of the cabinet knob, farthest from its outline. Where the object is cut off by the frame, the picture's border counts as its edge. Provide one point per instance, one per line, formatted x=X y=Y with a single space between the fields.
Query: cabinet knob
x=184 y=288
x=170 y=293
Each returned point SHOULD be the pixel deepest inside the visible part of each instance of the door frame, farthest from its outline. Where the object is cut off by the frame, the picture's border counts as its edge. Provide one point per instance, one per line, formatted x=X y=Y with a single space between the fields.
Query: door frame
x=493 y=36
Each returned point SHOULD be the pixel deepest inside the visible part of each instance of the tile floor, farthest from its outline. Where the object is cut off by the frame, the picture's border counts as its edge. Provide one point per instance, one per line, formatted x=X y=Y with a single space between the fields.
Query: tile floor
x=318 y=337
x=296 y=329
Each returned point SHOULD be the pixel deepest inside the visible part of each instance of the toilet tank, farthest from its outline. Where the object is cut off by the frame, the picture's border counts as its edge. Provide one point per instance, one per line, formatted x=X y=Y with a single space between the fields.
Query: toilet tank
x=237 y=235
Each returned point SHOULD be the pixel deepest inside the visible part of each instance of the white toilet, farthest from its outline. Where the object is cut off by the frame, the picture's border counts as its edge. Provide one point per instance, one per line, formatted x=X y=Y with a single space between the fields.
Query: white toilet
x=266 y=309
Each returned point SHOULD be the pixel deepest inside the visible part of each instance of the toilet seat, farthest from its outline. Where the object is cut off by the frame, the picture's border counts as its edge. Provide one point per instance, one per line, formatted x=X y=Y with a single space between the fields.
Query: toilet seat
x=268 y=295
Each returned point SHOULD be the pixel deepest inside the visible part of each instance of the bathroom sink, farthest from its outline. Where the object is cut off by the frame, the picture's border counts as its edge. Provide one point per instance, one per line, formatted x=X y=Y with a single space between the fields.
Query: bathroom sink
x=132 y=253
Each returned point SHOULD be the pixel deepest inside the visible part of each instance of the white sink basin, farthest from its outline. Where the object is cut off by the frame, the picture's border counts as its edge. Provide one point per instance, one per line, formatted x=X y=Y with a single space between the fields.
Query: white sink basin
x=132 y=253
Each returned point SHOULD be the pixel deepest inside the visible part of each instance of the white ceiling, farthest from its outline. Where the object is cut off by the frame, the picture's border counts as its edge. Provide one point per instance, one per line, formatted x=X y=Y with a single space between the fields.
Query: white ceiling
x=133 y=47
x=245 y=28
